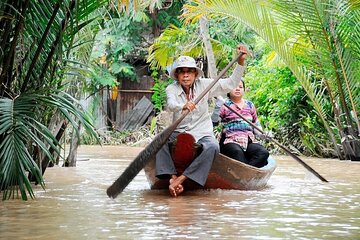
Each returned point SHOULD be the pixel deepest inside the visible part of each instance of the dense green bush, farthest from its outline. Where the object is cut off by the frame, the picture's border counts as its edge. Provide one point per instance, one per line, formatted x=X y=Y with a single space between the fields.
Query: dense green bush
x=158 y=98
x=284 y=109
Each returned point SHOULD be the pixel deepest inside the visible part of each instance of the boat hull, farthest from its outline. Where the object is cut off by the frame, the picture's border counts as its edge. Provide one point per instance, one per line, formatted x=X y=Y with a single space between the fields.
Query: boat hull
x=225 y=173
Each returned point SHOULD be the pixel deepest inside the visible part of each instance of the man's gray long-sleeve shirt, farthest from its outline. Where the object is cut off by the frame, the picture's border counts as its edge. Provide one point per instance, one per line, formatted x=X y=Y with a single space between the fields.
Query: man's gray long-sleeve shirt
x=198 y=122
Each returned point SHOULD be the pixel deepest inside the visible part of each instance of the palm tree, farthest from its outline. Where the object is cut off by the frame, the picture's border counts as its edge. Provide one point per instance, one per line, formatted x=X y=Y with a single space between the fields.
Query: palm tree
x=34 y=41
x=319 y=42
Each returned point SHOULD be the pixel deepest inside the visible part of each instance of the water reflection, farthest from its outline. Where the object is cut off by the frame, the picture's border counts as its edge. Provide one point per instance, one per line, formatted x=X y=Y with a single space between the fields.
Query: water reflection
x=295 y=205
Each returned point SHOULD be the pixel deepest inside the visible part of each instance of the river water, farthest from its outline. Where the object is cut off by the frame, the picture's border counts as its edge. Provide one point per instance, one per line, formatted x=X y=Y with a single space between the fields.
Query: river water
x=295 y=205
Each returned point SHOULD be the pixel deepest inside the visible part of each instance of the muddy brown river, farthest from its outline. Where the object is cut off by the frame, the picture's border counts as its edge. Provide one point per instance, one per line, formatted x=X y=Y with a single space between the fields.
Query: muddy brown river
x=295 y=204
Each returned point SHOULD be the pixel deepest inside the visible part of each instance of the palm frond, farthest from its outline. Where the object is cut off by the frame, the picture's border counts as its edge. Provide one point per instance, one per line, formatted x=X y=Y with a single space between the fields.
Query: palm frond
x=180 y=42
x=302 y=33
x=35 y=49
x=355 y=4
x=19 y=128
x=15 y=159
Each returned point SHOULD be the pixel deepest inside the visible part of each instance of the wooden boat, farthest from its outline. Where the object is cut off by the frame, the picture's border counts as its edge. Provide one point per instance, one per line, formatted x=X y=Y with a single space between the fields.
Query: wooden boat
x=225 y=173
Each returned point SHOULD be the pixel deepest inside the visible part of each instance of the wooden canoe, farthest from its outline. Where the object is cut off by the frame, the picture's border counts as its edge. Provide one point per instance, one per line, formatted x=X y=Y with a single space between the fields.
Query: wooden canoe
x=225 y=173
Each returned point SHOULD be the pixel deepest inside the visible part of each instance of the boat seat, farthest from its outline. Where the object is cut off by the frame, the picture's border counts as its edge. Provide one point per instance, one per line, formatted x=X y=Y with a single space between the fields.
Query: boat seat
x=184 y=149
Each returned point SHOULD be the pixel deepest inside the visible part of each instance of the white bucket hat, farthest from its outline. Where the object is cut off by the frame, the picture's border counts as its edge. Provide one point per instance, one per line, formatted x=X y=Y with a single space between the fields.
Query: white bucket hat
x=188 y=62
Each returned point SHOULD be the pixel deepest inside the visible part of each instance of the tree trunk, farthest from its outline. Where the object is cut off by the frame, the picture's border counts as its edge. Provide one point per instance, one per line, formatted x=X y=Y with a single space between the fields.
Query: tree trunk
x=155 y=26
x=59 y=133
x=75 y=142
x=355 y=144
x=117 y=112
x=44 y=163
x=212 y=71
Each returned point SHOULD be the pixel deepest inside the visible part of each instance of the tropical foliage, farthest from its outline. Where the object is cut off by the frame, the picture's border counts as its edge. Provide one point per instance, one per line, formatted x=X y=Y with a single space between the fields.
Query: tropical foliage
x=36 y=45
x=117 y=46
x=159 y=94
x=285 y=110
x=184 y=39
x=319 y=42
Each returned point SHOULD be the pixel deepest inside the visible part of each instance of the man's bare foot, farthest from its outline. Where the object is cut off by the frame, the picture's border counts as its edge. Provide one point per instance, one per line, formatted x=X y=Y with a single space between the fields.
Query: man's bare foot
x=176 y=187
x=175 y=190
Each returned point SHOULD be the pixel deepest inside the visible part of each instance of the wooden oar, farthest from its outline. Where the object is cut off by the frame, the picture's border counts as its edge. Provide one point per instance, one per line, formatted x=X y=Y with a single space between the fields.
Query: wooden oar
x=145 y=155
x=280 y=145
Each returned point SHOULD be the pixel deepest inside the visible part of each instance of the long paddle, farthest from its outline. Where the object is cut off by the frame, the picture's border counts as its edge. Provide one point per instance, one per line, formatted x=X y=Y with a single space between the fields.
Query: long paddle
x=281 y=146
x=145 y=155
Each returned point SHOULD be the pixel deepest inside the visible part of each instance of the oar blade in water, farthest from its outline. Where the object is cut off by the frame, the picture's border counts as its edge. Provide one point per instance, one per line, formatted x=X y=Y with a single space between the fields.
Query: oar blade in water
x=139 y=163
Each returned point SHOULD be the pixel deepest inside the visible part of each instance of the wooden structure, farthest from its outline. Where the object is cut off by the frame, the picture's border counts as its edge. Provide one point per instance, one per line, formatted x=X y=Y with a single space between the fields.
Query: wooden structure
x=225 y=173
x=119 y=102
x=130 y=93
x=138 y=115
